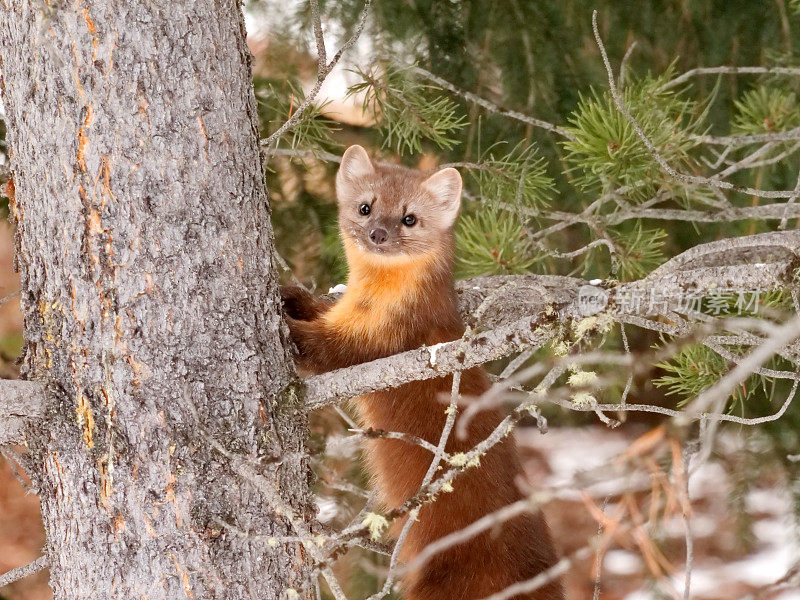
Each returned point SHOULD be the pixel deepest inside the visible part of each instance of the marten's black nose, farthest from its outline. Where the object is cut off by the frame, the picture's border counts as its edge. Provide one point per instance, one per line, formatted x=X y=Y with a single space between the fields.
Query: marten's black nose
x=378 y=235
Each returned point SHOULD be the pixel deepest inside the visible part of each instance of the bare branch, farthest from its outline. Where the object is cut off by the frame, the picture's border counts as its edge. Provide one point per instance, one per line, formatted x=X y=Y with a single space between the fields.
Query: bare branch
x=791 y=579
x=546 y=576
x=382 y=434
x=686 y=514
x=23 y=571
x=728 y=71
x=475 y=528
x=787 y=211
x=309 y=154
x=424 y=363
x=623 y=65
x=322 y=58
x=755 y=138
x=492 y=107
x=17 y=464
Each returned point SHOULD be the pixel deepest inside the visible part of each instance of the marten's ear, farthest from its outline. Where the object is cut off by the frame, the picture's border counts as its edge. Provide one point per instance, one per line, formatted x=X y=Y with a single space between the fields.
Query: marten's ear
x=355 y=164
x=445 y=187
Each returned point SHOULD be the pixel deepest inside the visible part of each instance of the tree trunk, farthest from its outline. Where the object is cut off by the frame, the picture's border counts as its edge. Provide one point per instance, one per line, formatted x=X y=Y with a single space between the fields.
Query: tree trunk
x=150 y=299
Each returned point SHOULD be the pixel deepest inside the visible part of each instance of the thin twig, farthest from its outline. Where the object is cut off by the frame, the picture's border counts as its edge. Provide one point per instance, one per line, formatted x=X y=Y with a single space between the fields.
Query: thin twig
x=753 y=138
x=686 y=514
x=492 y=107
x=623 y=66
x=677 y=81
x=17 y=469
x=790 y=204
x=319 y=38
x=598 y=565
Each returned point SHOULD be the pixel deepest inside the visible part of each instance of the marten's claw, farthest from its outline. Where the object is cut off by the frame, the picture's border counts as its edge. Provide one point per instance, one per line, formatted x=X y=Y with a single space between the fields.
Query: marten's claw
x=298 y=335
x=294 y=332
x=298 y=303
x=302 y=333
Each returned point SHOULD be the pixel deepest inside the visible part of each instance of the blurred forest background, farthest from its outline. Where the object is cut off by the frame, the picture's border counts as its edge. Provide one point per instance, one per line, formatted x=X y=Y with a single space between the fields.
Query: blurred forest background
x=539 y=58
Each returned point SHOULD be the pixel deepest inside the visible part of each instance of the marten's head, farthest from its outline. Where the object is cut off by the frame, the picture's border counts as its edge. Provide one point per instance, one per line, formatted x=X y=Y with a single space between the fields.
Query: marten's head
x=389 y=213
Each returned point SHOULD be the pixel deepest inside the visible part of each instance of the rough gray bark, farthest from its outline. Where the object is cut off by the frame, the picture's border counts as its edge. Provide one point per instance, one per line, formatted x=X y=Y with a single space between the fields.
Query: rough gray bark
x=150 y=299
x=21 y=402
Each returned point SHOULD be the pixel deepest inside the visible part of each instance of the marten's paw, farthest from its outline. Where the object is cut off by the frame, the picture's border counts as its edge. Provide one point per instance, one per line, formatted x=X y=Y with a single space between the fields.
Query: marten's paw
x=305 y=335
x=296 y=333
x=299 y=304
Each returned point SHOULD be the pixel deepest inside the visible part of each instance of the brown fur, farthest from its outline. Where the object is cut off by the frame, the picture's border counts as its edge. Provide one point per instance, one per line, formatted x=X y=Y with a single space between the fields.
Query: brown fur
x=397 y=300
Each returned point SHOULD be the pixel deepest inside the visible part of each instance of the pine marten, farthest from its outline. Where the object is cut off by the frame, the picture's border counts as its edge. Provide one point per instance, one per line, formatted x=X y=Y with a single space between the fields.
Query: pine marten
x=397 y=228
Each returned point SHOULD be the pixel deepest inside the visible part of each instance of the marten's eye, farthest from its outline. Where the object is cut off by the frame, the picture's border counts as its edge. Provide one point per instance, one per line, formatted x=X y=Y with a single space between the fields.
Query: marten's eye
x=409 y=220
x=364 y=209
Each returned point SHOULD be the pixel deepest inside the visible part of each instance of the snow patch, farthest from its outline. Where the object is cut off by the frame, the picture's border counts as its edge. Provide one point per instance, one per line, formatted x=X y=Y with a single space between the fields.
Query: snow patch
x=768 y=501
x=433 y=350
x=327 y=509
x=622 y=562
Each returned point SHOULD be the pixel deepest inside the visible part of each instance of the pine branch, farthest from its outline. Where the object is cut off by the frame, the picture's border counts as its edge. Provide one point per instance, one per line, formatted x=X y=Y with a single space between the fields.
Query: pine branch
x=493 y=108
x=766 y=110
x=764 y=212
x=726 y=213
x=407 y=111
x=758 y=262
x=268 y=144
x=687 y=179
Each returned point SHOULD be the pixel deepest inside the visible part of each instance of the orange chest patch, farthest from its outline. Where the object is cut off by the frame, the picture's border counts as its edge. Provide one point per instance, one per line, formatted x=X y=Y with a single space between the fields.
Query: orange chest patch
x=371 y=316
x=380 y=295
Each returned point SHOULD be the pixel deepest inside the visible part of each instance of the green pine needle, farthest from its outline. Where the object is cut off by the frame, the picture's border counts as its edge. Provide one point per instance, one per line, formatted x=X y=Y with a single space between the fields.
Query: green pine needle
x=606 y=151
x=276 y=105
x=492 y=241
x=696 y=368
x=518 y=177
x=408 y=111
x=766 y=110
x=692 y=371
x=639 y=251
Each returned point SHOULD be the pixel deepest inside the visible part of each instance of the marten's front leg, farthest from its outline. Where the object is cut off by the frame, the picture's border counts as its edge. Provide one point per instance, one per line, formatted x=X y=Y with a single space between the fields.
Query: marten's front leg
x=302 y=305
x=316 y=348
